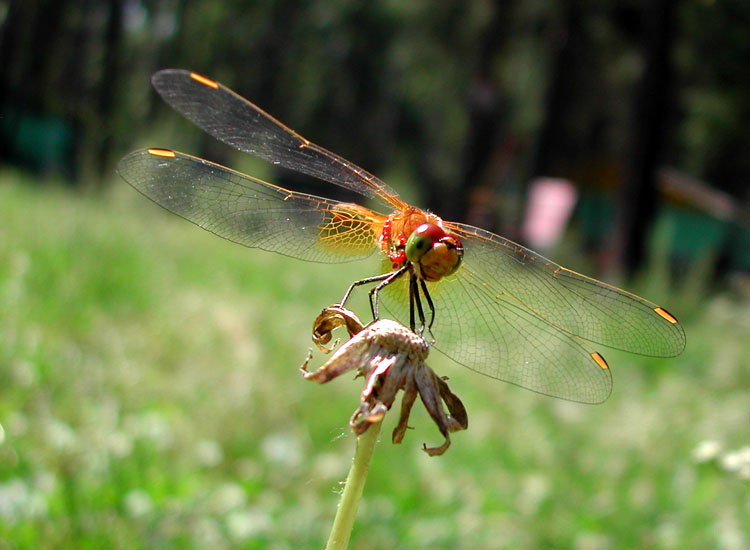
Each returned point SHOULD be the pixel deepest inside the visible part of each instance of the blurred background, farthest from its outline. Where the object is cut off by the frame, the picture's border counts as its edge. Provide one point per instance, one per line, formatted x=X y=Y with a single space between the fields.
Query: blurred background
x=148 y=387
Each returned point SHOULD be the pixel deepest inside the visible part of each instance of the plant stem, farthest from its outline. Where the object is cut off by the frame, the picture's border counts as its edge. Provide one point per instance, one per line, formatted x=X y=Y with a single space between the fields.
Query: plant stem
x=355 y=483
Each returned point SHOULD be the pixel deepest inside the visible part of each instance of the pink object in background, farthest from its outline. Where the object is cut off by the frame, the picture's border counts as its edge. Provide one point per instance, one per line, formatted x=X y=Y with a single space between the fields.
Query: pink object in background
x=551 y=202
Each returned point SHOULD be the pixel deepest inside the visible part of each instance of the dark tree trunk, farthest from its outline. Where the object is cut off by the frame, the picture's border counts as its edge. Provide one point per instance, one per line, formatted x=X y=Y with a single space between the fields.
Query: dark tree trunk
x=638 y=195
x=485 y=125
x=557 y=95
x=17 y=18
x=45 y=37
x=108 y=84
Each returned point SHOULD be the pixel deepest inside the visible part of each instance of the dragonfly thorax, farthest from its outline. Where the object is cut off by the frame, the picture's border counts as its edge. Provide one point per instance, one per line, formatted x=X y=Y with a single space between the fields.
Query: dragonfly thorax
x=418 y=237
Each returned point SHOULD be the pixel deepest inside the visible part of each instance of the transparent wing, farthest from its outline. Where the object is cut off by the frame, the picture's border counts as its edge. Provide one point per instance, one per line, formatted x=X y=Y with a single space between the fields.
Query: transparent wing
x=574 y=303
x=498 y=337
x=234 y=120
x=252 y=212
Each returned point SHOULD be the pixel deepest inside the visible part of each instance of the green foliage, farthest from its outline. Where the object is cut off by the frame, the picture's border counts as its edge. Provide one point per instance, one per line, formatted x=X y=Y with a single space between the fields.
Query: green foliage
x=149 y=397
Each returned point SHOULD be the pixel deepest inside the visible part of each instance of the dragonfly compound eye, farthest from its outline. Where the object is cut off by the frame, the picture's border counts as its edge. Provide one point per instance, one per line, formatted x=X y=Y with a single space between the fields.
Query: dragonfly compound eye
x=454 y=250
x=422 y=240
x=443 y=259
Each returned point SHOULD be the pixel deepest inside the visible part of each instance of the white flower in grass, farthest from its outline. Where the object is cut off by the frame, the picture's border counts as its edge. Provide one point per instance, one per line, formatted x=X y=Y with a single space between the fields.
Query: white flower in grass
x=119 y=444
x=592 y=541
x=737 y=461
x=151 y=426
x=19 y=500
x=228 y=496
x=36 y=505
x=45 y=482
x=243 y=524
x=706 y=451
x=330 y=465
x=731 y=461
x=744 y=453
x=667 y=534
x=729 y=531
x=60 y=435
x=282 y=449
x=206 y=533
x=534 y=490
x=137 y=503
x=209 y=453
x=13 y=497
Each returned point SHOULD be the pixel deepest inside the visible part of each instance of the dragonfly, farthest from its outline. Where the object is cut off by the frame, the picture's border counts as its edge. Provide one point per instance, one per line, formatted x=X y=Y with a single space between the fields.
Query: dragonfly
x=495 y=306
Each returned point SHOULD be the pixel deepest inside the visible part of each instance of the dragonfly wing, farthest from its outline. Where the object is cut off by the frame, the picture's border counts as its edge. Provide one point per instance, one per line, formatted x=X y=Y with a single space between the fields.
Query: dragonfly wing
x=571 y=302
x=498 y=337
x=232 y=119
x=250 y=211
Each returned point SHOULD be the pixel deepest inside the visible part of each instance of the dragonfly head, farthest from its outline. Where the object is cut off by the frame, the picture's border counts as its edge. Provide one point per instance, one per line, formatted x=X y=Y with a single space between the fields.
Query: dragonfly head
x=437 y=253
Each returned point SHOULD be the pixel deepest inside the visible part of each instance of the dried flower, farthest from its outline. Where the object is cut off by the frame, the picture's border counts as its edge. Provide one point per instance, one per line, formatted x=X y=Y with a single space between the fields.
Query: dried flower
x=391 y=358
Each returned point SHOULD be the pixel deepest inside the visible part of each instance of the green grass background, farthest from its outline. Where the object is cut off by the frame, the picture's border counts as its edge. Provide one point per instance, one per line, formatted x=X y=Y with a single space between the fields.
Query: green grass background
x=150 y=398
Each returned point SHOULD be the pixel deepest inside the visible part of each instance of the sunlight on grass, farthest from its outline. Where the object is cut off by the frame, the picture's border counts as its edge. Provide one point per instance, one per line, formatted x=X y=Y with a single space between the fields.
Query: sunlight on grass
x=151 y=398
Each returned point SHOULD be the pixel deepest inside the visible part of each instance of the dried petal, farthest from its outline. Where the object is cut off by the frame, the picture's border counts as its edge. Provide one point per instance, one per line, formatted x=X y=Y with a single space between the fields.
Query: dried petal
x=330 y=319
x=433 y=389
x=455 y=406
x=367 y=413
x=351 y=355
x=410 y=395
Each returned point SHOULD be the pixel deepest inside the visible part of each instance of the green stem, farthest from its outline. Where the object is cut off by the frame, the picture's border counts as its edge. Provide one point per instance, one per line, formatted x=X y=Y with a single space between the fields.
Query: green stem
x=355 y=483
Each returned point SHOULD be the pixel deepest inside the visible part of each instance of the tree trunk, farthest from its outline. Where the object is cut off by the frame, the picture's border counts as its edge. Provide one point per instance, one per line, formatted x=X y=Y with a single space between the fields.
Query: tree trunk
x=557 y=95
x=638 y=194
x=485 y=125
x=108 y=85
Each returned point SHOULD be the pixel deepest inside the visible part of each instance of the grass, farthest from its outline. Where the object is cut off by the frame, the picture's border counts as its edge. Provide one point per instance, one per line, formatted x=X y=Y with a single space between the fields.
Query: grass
x=150 y=398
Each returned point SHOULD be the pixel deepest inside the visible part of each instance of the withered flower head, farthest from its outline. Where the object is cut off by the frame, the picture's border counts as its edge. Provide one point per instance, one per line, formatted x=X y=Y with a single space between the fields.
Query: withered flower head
x=391 y=358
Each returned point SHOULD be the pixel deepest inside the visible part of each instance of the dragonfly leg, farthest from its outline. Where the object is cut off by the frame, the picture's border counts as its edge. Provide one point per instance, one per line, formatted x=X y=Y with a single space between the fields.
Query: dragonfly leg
x=418 y=300
x=411 y=304
x=366 y=281
x=429 y=303
x=385 y=281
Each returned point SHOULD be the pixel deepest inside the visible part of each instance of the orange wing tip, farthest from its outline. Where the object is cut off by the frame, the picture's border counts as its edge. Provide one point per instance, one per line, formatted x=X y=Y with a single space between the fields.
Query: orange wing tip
x=596 y=356
x=661 y=312
x=162 y=153
x=205 y=81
